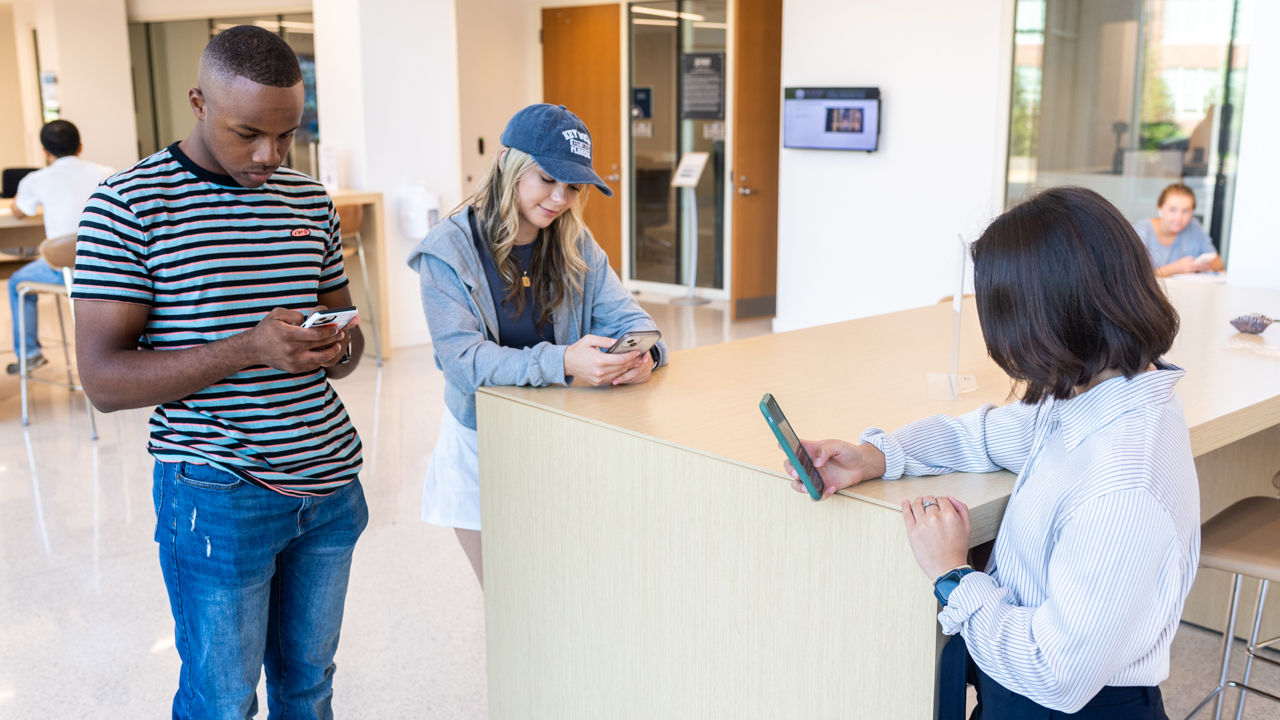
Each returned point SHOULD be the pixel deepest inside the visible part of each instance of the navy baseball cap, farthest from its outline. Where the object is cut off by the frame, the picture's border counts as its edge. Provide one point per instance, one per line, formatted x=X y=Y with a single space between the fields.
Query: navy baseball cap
x=558 y=141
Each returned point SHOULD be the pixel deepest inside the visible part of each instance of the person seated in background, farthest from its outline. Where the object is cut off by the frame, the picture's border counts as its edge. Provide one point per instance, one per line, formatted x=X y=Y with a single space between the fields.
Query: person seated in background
x=62 y=189
x=1177 y=241
x=1079 y=602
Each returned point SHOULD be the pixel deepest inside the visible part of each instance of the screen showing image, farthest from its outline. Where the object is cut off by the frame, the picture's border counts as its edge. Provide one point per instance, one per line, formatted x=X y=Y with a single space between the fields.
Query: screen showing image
x=831 y=118
x=846 y=120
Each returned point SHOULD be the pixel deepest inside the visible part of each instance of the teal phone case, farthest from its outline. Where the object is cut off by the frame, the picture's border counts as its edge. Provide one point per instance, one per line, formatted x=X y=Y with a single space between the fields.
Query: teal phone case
x=814 y=491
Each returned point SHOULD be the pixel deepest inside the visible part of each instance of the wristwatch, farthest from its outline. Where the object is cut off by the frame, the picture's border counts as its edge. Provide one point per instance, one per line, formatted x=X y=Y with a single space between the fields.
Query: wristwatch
x=943 y=586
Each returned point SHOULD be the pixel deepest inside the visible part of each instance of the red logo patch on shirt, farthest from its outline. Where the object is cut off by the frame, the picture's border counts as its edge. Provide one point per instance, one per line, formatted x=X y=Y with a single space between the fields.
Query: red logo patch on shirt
x=300 y=232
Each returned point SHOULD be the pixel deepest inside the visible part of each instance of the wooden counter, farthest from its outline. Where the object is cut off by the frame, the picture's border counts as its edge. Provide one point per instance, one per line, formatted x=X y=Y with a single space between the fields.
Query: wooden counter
x=15 y=233
x=373 y=234
x=646 y=557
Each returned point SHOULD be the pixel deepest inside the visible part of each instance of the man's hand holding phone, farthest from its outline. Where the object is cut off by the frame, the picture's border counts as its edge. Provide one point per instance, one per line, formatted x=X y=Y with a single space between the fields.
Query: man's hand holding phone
x=280 y=341
x=842 y=464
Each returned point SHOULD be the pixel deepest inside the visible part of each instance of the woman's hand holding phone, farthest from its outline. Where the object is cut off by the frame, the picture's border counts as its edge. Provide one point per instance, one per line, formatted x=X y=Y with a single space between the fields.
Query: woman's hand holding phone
x=842 y=464
x=639 y=372
x=584 y=361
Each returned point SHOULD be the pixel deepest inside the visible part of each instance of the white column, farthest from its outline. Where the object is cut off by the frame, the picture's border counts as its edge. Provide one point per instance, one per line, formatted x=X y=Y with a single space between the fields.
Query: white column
x=1254 y=252
x=86 y=42
x=387 y=87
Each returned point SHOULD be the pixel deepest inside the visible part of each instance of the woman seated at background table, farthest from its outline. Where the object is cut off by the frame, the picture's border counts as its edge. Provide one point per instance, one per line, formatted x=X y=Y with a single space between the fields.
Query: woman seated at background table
x=1100 y=540
x=1174 y=238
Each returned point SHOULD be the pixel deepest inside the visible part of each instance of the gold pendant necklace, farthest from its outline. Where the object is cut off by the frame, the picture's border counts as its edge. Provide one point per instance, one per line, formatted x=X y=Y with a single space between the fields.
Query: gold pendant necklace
x=525 y=280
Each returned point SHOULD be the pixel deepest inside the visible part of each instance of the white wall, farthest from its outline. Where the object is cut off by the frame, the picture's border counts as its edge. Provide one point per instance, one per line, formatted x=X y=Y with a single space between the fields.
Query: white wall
x=13 y=152
x=864 y=234
x=495 y=77
x=86 y=43
x=387 y=75
x=1254 y=254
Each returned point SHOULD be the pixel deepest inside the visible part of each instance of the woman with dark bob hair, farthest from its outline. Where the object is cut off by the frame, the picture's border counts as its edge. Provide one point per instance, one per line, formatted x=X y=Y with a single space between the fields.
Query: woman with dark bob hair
x=1098 y=547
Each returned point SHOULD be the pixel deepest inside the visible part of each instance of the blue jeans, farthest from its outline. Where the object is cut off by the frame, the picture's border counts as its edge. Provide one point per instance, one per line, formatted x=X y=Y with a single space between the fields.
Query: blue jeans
x=34 y=271
x=255 y=578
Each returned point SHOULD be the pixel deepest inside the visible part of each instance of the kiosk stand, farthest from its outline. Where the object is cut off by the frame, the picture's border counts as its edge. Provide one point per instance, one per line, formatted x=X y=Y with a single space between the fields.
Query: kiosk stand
x=687 y=176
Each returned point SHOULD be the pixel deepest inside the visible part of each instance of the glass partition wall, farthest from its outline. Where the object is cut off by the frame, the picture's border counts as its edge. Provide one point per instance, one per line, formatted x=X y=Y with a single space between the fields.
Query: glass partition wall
x=678 y=81
x=165 y=57
x=1128 y=96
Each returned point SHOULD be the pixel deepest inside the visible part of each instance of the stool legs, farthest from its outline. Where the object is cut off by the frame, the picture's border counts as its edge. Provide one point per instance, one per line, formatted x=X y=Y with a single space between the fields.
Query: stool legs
x=66 y=348
x=23 y=374
x=368 y=296
x=22 y=352
x=1227 y=639
x=1226 y=653
x=1253 y=642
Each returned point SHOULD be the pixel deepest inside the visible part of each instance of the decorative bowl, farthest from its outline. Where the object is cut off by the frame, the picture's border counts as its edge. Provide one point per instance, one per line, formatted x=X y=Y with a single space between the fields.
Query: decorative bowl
x=1252 y=323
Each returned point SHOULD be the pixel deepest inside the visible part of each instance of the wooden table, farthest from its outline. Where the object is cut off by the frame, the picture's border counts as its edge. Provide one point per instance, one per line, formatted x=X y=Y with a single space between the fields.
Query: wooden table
x=646 y=557
x=373 y=236
x=15 y=233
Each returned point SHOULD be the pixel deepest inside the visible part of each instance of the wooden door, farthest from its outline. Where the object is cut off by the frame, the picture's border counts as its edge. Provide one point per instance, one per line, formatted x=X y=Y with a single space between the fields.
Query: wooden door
x=581 y=56
x=756 y=111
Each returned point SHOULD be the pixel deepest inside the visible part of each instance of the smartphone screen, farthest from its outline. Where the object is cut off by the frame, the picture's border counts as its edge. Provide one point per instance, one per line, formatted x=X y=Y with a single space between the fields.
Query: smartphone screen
x=806 y=465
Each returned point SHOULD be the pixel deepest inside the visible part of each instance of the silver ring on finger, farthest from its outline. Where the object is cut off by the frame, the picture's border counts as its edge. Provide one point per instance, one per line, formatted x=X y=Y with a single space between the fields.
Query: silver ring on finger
x=928 y=504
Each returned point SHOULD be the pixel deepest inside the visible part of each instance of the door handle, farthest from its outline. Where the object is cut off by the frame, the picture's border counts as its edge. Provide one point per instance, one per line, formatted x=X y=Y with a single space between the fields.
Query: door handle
x=614 y=177
x=747 y=191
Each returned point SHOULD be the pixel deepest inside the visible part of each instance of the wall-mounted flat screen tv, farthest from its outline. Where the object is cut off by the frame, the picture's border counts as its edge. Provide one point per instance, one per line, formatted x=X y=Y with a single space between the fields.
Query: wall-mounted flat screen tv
x=831 y=118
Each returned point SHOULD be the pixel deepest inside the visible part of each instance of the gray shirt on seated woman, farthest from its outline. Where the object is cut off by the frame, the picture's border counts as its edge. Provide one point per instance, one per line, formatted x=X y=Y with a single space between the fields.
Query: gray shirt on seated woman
x=1174 y=238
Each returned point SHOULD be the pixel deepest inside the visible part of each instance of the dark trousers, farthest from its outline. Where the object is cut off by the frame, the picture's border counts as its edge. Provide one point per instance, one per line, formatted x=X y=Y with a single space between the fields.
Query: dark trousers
x=995 y=702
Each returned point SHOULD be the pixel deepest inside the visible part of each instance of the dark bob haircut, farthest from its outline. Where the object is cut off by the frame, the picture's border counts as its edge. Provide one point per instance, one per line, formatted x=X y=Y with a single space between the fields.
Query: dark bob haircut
x=60 y=138
x=1065 y=291
x=253 y=53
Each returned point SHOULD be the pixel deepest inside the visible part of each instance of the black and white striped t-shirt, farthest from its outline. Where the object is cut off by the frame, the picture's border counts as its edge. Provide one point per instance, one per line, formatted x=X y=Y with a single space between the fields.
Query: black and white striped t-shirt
x=211 y=258
x=1099 y=543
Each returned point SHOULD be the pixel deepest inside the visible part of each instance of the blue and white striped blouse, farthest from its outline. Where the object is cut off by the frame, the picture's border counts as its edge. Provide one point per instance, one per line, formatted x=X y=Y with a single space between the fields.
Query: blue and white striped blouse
x=1098 y=546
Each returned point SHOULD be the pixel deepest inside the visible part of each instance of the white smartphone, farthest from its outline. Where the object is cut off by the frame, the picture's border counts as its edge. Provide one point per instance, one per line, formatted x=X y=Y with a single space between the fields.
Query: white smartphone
x=333 y=316
x=635 y=341
x=1206 y=257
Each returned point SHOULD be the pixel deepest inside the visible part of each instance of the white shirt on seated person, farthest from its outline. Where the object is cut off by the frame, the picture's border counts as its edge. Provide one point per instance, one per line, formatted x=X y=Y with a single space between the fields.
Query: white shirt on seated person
x=62 y=189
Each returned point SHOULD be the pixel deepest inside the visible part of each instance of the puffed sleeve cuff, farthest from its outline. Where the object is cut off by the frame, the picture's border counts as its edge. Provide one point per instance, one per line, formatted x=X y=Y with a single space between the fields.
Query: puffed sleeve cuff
x=974 y=590
x=551 y=359
x=895 y=459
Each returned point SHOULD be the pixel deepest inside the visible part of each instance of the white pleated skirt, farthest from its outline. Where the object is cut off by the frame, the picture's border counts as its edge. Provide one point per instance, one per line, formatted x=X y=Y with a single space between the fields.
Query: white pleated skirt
x=451 y=491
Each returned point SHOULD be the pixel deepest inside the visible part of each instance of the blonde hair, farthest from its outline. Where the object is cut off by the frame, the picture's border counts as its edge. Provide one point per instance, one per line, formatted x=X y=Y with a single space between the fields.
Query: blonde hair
x=557 y=270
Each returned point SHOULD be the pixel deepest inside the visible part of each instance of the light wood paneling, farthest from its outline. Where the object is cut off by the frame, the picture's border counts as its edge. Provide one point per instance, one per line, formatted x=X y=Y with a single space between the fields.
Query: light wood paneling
x=581 y=69
x=628 y=578
x=757 y=107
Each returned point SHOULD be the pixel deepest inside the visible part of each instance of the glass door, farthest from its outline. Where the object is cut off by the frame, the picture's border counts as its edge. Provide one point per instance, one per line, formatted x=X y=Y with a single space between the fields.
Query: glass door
x=1127 y=97
x=678 y=102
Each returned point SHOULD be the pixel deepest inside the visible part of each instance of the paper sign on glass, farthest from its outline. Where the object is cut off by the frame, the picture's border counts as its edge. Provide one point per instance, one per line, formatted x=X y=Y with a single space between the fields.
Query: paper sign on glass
x=690 y=169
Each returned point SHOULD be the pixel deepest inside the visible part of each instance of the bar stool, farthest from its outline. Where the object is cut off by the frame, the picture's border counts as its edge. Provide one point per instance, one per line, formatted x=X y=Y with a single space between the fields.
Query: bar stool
x=1243 y=540
x=352 y=216
x=60 y=253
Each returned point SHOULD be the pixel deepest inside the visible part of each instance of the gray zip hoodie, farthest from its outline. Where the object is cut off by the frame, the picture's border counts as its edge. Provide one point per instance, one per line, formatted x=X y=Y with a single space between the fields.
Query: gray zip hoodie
x=463 y=317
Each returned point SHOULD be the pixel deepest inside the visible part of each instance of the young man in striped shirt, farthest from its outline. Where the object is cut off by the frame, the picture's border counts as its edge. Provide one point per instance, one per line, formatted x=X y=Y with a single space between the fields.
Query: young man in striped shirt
x=194 y=271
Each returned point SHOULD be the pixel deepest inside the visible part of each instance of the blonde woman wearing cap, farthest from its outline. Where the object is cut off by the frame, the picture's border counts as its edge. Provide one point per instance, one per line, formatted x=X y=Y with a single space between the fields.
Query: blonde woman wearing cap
x=517 y=292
